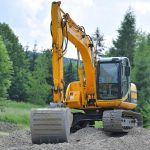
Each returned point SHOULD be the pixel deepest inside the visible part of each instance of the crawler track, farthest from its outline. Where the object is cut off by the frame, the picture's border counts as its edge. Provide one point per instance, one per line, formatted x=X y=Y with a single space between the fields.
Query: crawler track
x=121 y=120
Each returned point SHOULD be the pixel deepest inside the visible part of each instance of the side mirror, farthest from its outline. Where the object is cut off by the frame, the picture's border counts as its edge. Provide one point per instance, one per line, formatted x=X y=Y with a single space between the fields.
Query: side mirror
x=127 y=71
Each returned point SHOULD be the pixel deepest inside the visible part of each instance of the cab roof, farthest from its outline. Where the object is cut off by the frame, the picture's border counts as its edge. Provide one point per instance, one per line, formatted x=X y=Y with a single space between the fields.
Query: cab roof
x=112 y=59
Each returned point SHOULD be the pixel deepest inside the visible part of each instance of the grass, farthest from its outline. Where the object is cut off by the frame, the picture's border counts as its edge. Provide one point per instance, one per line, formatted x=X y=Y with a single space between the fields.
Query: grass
x=16 y=112
x=98 y=124
x=19 y=112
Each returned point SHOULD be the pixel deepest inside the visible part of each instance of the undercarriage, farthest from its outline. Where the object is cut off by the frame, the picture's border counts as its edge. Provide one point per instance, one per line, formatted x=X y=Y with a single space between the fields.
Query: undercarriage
x=53 y=125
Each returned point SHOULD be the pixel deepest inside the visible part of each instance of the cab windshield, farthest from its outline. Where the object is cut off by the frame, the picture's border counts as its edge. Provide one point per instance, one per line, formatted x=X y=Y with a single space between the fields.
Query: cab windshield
x=108 y=82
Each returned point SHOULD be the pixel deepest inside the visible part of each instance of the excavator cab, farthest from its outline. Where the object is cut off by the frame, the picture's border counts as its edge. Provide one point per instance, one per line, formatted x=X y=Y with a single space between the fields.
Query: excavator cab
x=113 y=78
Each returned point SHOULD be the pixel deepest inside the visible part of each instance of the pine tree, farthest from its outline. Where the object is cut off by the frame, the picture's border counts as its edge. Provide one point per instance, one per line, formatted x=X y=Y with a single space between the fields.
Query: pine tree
x=98 y=39
x=5 y=70
x=141 y=75
x=125 y=43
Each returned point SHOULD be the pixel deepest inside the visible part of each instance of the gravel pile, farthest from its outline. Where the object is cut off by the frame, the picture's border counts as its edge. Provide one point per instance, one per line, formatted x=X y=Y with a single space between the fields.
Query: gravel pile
x=87 y=138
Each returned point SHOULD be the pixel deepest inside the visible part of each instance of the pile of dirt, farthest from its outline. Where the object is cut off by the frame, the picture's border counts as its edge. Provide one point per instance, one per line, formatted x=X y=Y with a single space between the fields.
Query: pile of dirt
x=87 y=138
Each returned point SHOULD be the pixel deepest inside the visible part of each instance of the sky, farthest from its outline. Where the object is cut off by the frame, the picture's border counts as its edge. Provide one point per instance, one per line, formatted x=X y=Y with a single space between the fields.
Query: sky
x=30 y=19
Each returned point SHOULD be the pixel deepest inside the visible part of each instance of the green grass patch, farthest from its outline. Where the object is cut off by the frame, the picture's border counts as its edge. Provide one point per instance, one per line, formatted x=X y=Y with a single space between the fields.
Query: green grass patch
x=16 y=112
x=76 y=110
x=98 y=124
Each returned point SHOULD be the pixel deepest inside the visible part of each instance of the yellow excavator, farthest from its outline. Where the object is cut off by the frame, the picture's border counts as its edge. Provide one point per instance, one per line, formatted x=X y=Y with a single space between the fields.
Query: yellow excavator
x=103 y=93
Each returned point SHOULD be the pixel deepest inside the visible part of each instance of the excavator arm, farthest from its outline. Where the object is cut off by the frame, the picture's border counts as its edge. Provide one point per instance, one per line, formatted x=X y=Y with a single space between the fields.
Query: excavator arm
x=57 y=52
x=63 y=26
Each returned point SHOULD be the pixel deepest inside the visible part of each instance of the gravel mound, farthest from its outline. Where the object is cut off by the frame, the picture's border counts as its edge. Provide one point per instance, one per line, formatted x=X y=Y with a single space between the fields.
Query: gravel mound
x=87 y=138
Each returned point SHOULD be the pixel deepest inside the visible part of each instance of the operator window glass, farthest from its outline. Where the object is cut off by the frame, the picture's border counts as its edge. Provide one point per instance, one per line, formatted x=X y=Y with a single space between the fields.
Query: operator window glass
x=108 y=81
x=125 y=80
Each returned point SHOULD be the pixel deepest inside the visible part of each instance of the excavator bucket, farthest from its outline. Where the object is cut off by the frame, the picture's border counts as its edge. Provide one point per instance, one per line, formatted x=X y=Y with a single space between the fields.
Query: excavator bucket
x=50 y=125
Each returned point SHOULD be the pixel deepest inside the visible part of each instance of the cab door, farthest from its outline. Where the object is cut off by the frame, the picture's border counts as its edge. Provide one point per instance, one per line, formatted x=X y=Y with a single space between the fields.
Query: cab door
x=125 y=78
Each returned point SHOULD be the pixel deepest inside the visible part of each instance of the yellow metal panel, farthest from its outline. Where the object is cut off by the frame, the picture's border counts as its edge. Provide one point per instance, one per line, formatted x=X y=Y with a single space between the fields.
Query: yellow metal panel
x=74 y=95
x=73 y=104
x=83 y=100
x=108 y=103
x=127 y=105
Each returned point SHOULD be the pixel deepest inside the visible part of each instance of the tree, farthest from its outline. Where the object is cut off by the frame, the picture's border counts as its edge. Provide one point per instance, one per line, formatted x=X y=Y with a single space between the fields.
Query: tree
x=17 y=55
x=48 y=59
x=70 y=73
x=38 y=88
x=125 y=43
x=98 y=39
x=5 y=70
x=141 y=75
x=32 y=55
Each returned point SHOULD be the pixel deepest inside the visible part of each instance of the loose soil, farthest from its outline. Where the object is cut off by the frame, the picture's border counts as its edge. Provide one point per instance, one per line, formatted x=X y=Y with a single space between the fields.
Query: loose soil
x=87 y=138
